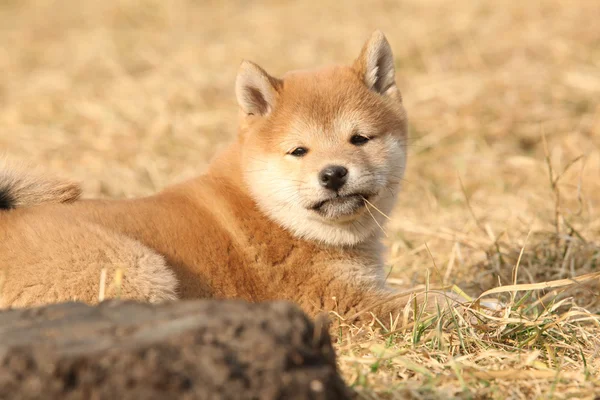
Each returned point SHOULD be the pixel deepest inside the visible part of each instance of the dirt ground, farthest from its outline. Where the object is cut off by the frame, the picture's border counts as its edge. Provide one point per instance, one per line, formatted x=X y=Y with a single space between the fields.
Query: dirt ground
x=504 y=104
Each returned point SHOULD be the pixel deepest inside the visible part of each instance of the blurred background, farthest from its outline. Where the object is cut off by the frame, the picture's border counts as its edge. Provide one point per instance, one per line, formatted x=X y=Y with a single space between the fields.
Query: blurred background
x=128 y=96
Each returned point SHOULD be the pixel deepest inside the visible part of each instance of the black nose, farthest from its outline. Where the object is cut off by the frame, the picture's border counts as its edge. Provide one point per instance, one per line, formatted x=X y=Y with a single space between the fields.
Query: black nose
x=333 y=177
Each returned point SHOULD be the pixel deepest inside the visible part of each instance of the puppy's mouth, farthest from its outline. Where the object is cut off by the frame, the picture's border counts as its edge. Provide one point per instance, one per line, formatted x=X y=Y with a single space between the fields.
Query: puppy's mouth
x=341 y=205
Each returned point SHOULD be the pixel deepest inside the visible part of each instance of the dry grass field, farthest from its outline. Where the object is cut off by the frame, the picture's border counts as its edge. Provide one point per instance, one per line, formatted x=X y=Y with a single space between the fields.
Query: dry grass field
x=503 y=182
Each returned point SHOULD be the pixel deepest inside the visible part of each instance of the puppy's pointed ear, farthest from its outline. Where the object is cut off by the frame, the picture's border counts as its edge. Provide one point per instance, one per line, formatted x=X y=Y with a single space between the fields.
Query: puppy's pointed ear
x=375 y=64
x=256 y=91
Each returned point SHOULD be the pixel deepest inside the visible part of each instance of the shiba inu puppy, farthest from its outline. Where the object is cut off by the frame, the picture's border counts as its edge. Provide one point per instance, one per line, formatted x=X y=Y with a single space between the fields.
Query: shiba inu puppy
x=292 y=209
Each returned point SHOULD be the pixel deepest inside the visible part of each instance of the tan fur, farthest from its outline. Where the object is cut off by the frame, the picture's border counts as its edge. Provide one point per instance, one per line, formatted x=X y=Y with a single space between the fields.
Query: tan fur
x=47 y=265
x=246 y=228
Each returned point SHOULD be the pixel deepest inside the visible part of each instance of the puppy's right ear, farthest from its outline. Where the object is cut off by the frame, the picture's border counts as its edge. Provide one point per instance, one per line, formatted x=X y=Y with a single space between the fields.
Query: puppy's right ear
x=255 y=89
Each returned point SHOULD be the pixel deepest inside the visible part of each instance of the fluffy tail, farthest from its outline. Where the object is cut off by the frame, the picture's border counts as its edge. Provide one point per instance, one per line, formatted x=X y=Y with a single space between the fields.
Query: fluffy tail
x=21 y=187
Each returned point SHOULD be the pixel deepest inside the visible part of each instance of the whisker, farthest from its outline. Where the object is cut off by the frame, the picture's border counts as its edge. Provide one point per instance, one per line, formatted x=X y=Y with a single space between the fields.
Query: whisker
x=359 y=223
x=256 y=159
x=403 y=181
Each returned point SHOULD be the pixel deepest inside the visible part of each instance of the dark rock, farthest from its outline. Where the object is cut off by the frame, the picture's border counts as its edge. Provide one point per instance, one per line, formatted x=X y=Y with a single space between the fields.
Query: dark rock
x=184 y=350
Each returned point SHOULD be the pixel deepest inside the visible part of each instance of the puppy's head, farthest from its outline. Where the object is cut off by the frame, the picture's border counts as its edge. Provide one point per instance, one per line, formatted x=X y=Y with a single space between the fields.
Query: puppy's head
x=324 y=151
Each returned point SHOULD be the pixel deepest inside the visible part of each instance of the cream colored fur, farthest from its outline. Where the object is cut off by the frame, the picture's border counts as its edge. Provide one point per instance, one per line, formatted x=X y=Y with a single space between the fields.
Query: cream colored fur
x=44 y=265
x=26 y=187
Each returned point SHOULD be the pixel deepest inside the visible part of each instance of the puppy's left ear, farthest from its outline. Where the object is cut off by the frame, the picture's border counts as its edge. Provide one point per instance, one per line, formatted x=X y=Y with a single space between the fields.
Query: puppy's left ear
x=375 y=65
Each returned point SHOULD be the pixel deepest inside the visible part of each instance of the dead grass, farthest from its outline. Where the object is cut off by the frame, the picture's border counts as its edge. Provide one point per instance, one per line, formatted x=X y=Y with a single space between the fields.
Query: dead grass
x=131 y=95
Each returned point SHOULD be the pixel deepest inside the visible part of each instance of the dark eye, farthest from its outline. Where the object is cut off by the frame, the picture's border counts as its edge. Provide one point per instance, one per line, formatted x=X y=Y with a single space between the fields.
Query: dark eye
x=359 y=140
x=299 y=152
